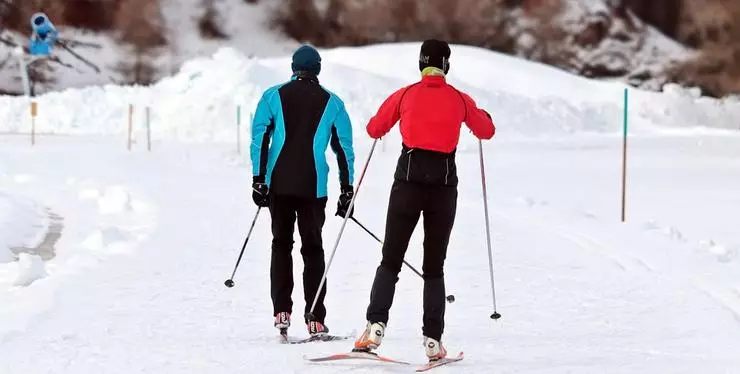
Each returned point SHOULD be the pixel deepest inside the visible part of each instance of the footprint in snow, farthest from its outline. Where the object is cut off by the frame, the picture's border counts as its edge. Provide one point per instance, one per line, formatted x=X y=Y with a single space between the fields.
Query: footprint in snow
x=115 y=200
x=668 y=231
x=30 y=269
x=531 y=202
x=109 y=239
x=112 y=200
x=723 y=253
x=651 y=226
x=589 y=215
x=674 y=234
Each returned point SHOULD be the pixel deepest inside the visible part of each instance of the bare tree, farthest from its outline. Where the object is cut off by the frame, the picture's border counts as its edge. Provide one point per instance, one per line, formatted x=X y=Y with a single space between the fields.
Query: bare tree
x=713 y=26
x=209 y=23
x=356 y=22
x=301 y=20
x=141 y=29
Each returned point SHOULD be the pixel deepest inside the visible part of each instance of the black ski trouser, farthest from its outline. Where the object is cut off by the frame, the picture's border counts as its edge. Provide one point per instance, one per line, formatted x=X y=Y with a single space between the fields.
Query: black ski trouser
x=408 y=201
x=311 y=216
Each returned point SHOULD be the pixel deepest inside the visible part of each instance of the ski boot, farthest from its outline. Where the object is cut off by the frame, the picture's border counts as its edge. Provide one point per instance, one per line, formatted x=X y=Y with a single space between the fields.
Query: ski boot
x=316 y=329
x=370 y=338
x=282 y=322
x=434 y=349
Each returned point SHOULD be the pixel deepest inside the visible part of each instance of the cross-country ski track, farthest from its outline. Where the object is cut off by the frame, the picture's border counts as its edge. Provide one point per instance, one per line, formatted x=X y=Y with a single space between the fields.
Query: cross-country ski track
x=136 y=283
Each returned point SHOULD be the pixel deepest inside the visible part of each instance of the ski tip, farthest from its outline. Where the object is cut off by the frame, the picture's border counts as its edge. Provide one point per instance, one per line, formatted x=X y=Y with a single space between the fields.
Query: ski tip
x=444 y=361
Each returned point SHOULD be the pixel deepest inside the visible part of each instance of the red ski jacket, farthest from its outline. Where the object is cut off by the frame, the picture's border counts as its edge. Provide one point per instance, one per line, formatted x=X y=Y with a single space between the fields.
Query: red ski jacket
x=431 y=113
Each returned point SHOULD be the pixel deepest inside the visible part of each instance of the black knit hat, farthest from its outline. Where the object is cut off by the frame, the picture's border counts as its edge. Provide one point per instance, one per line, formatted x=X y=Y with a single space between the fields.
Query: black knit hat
x=307 y=59
x=435 y=53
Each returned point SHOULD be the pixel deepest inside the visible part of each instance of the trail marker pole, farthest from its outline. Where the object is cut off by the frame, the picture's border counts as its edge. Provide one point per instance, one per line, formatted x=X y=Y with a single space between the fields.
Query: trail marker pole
x=148 y=130
x=34 y=112
x=624 y=157
x=130 y=124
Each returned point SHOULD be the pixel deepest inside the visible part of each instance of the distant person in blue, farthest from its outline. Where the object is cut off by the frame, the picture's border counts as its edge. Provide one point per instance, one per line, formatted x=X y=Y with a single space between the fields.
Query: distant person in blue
x=293 y=126
x=44 y=35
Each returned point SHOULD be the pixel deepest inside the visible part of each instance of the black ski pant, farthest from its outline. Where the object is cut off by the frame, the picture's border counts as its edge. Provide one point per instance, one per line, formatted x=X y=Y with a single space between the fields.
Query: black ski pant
x=311 y=216
x=408 y=201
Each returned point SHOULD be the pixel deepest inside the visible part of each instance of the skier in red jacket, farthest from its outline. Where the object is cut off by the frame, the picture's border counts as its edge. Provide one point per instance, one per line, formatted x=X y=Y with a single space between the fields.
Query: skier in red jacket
x=431 y=113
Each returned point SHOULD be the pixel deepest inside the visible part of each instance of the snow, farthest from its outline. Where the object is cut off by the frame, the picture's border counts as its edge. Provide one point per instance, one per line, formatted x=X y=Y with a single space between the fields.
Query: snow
x=525 y=96
x=136 y=284
x=31 y=269
x=22 y=223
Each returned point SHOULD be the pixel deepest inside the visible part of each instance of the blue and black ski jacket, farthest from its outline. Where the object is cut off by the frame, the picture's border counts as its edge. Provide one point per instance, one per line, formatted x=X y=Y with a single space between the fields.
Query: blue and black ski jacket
x=293 y=125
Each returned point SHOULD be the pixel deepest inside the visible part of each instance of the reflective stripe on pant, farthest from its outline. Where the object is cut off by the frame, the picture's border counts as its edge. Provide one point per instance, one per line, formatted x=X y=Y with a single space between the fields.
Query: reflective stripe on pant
x=407 y=203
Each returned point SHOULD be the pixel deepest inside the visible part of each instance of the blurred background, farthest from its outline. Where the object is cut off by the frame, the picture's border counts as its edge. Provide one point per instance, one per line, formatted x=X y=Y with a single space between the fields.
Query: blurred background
x=646 y=43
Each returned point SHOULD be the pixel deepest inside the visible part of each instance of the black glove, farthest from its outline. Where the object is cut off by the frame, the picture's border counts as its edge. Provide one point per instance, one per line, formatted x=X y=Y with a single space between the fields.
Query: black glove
x=344 y=200
x=260 y=193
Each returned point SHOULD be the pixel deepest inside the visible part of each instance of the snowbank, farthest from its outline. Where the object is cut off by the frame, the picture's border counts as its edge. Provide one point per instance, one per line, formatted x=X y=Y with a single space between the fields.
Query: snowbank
x=22 y=224
x=199 y=102
x=30 y=269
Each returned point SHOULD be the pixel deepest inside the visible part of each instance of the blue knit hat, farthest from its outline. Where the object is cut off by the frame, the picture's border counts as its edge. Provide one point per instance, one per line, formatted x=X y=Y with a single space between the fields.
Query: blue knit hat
x=306 y=58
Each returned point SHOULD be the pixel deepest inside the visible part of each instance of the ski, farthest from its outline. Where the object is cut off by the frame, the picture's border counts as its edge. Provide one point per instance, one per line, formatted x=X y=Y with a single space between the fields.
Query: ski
x=443 y=361
x=319 y=338
x=285 y=339
x=356 y=356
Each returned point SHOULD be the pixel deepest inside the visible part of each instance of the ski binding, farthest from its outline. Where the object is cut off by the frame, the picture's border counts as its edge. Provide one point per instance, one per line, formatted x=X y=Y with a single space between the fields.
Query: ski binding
x=285 y=339
x=440 y=362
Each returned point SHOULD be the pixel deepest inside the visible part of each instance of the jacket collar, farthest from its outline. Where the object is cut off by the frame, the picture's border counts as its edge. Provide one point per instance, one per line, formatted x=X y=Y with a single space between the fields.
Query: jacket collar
x=433 y=79
x=303 y=75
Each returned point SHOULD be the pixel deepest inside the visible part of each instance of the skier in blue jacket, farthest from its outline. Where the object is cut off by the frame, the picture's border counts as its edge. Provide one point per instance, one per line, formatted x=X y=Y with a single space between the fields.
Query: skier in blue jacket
x=293 y=126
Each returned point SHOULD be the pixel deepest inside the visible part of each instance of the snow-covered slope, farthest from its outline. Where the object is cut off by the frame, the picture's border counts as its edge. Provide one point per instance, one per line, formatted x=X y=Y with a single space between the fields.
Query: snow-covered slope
x=527 y=96
x=136 y=285
x=21 y=225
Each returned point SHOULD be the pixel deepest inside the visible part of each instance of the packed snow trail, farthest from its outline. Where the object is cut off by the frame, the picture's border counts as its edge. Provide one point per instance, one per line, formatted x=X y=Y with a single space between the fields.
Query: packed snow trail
x=136 y=281
x=572 y=292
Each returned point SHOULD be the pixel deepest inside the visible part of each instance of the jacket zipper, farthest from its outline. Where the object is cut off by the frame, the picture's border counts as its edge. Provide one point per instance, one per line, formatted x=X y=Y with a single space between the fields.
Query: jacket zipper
x=447 y=165
x=408 y=167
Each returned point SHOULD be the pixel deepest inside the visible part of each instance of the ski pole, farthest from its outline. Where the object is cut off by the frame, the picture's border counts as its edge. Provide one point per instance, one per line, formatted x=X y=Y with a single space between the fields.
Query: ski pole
x=230 y=282
x=495 y=314
x=450 y=297
x=309 y=316
x=381 y=242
